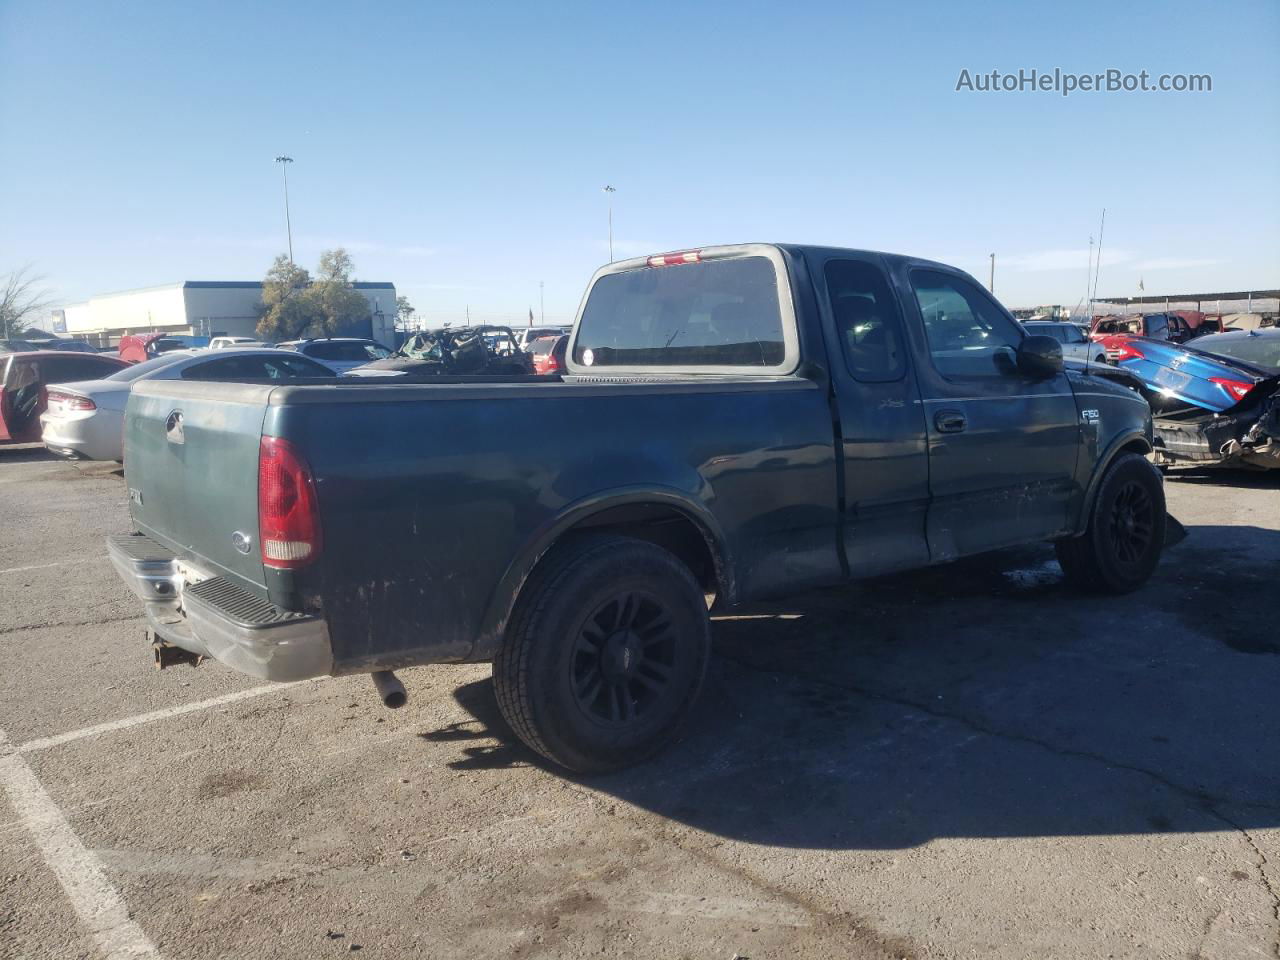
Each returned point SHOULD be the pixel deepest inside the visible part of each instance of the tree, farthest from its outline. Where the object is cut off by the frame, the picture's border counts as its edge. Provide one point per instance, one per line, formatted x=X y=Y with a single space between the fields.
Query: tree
x=339 y=305
x=296 y=305
x=286 y=310
x=22 y=298
x=404 y=309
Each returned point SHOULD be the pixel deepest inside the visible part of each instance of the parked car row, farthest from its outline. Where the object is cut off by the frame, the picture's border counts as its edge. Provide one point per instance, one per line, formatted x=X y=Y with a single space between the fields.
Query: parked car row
x=76 y=403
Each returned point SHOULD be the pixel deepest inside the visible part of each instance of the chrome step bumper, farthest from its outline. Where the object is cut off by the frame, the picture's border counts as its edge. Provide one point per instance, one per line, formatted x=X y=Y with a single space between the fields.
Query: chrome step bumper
x=215 y=617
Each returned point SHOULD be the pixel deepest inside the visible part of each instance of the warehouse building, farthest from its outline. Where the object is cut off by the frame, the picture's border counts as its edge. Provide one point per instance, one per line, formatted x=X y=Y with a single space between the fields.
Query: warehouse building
x=202 y=308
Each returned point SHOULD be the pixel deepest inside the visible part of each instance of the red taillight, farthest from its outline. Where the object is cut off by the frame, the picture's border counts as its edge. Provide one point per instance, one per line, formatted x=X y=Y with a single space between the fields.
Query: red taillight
x=671 y=259
x=1127 y=351
x=288 y=514
x=551 y=363
x=1235 y=388
x=71 y=401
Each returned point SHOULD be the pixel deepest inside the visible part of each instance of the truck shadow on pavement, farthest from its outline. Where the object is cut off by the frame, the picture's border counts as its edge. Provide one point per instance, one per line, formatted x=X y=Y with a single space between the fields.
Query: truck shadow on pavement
x=26 y=453
x=979 y=699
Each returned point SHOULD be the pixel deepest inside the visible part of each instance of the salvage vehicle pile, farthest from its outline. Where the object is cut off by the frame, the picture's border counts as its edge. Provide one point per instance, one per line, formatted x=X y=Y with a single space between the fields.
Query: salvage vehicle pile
x=1215 y=400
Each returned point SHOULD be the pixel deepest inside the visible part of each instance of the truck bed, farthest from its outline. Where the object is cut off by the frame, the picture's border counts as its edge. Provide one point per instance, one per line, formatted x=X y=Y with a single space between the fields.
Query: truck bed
x=436 y=496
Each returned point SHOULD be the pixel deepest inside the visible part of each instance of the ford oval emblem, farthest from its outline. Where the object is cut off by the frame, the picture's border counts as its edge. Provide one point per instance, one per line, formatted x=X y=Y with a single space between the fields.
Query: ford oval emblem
x=241 y=541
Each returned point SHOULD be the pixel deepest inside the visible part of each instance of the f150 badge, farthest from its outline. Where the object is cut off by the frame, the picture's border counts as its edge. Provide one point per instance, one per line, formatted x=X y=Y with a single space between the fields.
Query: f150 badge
x=1090 y=417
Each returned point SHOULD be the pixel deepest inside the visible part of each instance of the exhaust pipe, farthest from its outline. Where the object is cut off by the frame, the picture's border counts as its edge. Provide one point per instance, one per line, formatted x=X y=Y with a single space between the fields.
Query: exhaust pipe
x=390 y=689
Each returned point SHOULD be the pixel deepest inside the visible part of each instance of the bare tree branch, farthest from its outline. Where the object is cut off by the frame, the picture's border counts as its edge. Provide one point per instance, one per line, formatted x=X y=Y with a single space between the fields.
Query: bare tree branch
x=22 y=298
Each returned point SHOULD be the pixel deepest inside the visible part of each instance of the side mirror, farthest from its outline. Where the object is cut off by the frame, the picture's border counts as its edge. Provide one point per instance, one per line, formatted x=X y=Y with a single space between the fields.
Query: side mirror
x=1039 y=357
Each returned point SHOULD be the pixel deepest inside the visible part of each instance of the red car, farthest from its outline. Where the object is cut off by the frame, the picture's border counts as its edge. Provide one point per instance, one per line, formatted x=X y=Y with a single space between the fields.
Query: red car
x=25 y=377
x=548 y=353
x=137 y=347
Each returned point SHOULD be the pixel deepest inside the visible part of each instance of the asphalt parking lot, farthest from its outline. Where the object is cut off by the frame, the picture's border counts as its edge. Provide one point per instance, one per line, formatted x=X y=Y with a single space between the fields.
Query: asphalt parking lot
x=966 y=762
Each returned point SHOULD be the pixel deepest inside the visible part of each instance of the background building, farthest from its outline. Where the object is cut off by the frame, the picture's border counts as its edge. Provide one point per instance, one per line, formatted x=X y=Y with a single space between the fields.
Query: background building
x=202 y=308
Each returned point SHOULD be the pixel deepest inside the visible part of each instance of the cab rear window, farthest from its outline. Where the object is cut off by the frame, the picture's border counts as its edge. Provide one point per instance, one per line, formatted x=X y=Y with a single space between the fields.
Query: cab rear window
x=717 y=313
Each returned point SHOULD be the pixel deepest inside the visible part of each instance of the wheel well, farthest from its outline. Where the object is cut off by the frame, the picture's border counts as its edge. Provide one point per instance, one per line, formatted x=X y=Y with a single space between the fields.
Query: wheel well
x=1137 y=446
x=667 y=527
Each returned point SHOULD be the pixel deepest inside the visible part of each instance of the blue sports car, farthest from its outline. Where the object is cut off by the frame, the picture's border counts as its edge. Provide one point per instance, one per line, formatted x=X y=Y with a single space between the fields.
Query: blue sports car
x=1216 y=399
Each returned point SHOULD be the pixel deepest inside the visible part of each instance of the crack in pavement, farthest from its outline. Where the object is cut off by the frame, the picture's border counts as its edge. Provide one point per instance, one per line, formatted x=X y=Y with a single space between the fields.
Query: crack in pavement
x=1262 y=873
x=1206 y=801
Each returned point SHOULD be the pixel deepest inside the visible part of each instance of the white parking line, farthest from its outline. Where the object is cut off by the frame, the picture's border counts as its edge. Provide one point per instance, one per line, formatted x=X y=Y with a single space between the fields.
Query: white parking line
x=96 y=902
x=46 y=566
x=44 y=743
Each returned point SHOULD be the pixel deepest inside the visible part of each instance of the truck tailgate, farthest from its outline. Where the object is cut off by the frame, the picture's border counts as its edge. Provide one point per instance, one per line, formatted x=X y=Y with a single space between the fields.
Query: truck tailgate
x=191 y=466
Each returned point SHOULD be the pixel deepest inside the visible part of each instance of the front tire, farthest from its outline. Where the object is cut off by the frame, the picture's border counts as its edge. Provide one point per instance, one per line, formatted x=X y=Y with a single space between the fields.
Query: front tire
x=605 y=653
x=1125 y=536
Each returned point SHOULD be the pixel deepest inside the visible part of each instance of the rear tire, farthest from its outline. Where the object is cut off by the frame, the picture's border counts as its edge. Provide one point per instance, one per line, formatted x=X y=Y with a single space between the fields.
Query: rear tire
x=1122 y=543
x=605 y=653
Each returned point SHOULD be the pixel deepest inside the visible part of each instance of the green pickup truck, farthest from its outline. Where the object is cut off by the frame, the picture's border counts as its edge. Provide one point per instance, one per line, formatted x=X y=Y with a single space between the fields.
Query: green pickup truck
x=734 y=422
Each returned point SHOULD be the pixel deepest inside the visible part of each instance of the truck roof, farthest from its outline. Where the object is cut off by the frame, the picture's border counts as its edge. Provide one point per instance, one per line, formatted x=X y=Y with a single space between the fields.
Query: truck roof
x=821 y=250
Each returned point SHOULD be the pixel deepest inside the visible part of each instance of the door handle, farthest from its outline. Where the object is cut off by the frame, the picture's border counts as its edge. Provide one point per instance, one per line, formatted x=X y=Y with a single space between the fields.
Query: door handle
x=949 y=421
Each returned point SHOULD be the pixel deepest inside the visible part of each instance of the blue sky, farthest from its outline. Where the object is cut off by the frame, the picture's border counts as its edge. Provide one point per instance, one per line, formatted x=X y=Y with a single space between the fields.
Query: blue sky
x=460 y=150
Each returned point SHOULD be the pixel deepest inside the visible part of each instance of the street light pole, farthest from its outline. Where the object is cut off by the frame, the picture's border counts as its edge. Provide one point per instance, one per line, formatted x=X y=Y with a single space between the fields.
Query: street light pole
x=610 y=191
x=288 y=226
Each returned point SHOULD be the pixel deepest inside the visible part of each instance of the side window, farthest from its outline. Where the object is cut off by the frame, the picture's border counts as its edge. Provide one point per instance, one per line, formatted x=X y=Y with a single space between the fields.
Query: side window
x=74 y=367
x=287 y=368
x=228 y=368
x=340 y=351
x=867 y=320
x=968 y=335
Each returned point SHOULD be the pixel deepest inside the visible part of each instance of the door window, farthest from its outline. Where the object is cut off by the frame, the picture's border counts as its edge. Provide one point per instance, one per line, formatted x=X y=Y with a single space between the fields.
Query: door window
x=867 y=321
x=71 y=367
x=256 y=367
x=347 y=351
x=969 y=336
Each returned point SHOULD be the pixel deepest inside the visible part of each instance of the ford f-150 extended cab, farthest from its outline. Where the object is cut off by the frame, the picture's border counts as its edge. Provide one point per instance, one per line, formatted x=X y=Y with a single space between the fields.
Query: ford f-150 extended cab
x=737 y=421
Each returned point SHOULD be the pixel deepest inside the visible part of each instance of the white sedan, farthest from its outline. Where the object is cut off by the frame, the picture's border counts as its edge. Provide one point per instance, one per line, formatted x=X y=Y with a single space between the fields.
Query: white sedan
x=85 y=419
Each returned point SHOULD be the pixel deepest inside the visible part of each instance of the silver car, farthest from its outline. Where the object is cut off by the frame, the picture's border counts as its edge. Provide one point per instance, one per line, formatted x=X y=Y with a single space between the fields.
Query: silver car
x=1076 y=344
x=85 y=419
x=339 y=354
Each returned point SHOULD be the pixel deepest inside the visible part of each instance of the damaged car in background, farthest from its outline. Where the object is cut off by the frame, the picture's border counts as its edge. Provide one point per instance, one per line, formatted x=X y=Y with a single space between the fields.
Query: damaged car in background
x=1215 y=402
x=473 y=351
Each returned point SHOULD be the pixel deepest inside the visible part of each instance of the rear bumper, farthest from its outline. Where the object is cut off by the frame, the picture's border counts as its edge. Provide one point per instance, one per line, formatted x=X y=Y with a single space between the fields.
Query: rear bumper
x=88 y=437
x=215 y=618
x=1214 y=441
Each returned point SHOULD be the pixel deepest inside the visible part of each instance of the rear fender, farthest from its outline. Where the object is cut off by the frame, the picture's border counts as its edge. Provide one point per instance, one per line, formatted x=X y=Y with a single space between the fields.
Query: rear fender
x=504 y=598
